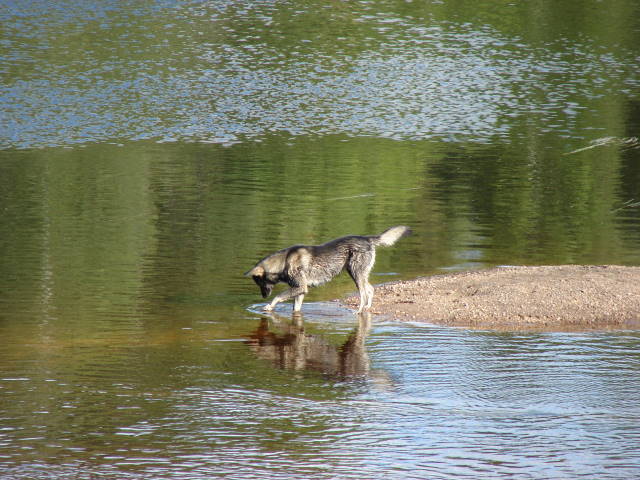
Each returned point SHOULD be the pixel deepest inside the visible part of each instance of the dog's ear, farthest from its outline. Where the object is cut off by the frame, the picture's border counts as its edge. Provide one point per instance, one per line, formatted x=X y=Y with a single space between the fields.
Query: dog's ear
x=256 y=271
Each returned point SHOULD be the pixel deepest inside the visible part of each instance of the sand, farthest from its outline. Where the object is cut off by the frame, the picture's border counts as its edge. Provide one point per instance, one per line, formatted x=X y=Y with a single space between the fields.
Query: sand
x=557 y=298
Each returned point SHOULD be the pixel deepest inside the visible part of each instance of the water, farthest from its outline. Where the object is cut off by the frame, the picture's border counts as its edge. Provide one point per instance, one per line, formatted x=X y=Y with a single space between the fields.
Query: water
x=255 y=397
x=151 y=152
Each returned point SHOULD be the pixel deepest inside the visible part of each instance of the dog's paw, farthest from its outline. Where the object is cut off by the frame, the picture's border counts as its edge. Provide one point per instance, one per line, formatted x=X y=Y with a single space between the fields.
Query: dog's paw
x=267 y=308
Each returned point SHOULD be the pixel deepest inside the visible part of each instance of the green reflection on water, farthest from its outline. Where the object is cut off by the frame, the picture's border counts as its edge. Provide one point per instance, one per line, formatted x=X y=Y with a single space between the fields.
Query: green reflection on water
x=108 y=229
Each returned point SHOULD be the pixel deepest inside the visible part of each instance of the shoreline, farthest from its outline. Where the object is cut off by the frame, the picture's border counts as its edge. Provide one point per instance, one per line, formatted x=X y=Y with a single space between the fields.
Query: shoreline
x=540 y=298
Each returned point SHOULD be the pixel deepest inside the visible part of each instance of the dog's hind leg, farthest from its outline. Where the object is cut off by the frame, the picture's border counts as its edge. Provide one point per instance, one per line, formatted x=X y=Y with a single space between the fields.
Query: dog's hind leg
x=359 y=266
x=363 y=297
x=370 y=291
x=366 y=294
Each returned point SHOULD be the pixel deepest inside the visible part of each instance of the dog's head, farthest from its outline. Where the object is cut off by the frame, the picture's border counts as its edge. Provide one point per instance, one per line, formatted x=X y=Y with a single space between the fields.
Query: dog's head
x=266 y=281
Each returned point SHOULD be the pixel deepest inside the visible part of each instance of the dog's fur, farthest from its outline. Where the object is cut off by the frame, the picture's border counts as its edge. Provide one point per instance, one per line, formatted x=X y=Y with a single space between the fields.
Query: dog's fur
x=304 y=266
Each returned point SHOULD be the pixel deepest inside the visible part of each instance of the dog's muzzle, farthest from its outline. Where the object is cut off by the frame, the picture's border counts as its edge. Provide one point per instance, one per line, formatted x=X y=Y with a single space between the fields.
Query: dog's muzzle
x=266 y=290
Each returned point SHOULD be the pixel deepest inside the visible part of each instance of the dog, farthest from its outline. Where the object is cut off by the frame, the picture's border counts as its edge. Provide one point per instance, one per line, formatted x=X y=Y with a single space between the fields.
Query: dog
x=304 y=266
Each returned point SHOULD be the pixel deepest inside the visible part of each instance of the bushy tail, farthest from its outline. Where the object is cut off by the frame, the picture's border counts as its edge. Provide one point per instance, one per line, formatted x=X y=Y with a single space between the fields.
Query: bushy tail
x=392 y=235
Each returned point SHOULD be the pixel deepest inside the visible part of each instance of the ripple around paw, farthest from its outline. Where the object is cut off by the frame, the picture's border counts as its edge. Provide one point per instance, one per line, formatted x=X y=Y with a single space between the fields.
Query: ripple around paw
x=325 y=312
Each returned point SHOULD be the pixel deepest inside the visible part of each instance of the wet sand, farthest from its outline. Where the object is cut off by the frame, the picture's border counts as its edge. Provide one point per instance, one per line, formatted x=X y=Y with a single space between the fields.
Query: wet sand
x=558 y=298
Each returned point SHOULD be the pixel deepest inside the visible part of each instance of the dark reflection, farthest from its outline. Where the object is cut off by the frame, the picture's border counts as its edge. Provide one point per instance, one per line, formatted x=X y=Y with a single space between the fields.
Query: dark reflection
x=288 y=345
x=630 y=173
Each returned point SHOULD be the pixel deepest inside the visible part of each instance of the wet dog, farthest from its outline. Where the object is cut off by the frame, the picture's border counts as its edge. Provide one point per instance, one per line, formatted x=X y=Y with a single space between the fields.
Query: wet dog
x=304 y=266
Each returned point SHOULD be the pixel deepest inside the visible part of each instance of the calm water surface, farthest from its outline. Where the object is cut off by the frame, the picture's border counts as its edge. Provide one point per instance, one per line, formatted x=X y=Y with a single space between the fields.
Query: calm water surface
x=151 y=152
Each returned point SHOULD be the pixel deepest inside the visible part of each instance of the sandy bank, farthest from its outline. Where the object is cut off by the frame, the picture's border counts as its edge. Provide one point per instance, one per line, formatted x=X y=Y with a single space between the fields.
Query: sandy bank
x=566 y=297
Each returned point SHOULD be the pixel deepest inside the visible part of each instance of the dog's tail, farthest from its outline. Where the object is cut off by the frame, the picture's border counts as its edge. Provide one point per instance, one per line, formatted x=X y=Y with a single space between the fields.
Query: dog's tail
x=392 y=235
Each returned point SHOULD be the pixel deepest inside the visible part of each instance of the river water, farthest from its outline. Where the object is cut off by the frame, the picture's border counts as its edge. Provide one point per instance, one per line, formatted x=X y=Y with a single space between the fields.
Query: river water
x=151 y=152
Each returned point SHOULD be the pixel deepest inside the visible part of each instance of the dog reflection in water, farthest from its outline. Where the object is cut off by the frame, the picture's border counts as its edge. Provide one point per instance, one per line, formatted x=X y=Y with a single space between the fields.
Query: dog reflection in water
x=287 y=345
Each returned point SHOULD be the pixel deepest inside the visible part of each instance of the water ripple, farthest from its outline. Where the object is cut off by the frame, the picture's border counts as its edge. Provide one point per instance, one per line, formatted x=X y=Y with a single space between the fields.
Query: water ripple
x=446 y=81
x=459 y=404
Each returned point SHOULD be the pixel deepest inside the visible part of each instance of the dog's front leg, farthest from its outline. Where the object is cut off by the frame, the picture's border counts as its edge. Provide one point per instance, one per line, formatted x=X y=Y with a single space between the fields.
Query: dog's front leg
x=297 y=302
x=297 y=292
x=297 y=280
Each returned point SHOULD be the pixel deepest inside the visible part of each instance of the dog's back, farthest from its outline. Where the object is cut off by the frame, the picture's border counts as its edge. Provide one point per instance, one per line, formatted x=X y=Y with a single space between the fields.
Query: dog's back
x=355 y=253
x=329 y=259
x=359 y=243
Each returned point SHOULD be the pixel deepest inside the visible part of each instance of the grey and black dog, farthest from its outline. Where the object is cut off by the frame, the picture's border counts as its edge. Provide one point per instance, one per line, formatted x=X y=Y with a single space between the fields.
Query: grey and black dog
x=304 y=266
